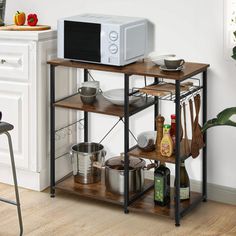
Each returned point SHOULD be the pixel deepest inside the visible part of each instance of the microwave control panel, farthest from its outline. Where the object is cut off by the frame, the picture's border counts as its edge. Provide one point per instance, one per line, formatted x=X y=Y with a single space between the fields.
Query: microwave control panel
x=110 y=44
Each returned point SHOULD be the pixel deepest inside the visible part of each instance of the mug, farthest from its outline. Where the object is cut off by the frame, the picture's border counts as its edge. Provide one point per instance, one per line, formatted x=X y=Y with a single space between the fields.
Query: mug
x=173 y=63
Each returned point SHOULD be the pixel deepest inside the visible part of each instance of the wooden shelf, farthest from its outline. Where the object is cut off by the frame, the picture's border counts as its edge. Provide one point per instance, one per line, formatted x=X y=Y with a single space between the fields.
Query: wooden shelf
x=146 y=204
x=137 y=152
x=95 y=191
x=144 y=68
x=102 y=106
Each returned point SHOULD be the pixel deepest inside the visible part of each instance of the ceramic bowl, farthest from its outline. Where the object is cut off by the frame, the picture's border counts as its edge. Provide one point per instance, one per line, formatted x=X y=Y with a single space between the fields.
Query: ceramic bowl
x=116 y=96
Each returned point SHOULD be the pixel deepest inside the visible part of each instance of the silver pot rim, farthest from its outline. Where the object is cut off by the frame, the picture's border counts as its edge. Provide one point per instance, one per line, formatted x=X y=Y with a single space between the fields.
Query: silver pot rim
x=132 y=170
x=85 y=153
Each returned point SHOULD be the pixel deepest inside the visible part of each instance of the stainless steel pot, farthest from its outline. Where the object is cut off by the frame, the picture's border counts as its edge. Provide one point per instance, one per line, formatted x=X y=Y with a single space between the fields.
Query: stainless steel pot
x=86 y=159
x=114 y=174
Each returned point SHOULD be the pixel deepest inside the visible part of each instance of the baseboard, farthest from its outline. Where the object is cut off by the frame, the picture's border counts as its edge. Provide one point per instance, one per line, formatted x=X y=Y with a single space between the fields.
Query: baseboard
x=25 y=178
x=35 y=180
x=215 y=192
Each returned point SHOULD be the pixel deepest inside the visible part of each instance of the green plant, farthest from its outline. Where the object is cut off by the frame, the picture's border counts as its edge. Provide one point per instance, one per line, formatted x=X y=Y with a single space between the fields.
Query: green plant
x=234 y=48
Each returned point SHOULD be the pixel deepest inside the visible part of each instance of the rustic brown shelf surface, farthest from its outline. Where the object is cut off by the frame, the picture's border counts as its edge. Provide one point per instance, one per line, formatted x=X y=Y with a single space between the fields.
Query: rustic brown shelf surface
x=94 y=191
x=102 y=106
x=144 y=68
x=137 y=152
x=146 y=204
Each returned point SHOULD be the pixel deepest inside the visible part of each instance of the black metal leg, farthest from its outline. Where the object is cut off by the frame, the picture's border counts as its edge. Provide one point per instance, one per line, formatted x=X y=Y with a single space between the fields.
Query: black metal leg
x=52 y=130
x=156 y=106
x=156 y=109
x=204 y=155
x=85 y=113
x=126 y=143
x=177 y=154
x=15 y=183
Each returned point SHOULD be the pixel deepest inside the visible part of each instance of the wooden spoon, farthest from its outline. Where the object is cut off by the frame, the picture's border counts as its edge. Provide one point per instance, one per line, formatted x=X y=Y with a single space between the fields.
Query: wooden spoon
x=197 y=139
x=186 y=143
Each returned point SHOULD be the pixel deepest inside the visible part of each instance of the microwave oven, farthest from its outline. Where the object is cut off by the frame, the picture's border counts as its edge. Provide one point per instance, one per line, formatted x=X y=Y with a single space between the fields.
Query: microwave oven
x=104 y=39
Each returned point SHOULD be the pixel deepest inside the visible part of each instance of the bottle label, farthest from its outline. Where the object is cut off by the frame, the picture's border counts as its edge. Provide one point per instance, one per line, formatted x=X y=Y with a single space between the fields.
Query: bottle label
x=159 y=188
x=184 y=193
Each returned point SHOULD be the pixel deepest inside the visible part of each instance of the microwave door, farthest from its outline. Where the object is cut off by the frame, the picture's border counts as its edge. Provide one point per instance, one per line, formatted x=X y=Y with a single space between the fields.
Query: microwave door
x=82 y=41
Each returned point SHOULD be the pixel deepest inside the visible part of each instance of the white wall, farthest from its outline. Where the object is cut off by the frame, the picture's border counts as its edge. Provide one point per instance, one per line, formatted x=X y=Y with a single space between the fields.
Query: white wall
x=191 y=29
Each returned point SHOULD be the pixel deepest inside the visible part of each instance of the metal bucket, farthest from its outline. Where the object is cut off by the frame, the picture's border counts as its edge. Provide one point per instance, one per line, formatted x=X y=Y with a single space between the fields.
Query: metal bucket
x=86 y=160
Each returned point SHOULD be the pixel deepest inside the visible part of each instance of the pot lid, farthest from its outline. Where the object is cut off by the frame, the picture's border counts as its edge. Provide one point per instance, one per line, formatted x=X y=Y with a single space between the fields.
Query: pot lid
x=118 y=162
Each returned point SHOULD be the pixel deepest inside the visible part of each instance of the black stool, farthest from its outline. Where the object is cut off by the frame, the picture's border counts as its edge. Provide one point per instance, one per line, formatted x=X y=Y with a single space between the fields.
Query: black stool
x=4 y=128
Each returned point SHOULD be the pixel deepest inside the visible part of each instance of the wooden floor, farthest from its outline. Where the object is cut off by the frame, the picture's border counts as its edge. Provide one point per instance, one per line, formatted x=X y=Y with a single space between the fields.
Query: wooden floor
x=71 y=216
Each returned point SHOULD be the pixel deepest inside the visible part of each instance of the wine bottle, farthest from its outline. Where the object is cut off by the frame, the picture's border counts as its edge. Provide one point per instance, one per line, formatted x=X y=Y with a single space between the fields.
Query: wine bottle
x=162 y=185
x=184 y=183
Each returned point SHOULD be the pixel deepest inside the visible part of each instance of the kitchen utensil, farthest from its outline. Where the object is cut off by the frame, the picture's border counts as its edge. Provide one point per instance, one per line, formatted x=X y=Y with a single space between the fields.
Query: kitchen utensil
x=88 y=99
x=87 y=91
x=159 y=59
x=114 y=174
x=173 y=63
x=181 y=125
x=191 y=112
x=116 y=96
x=84 y=156
x=146 y=140
x=164 y=68
x=25 y=28
x=88 y=94
x=197 y=139
x=186 y=143
x=2 y=11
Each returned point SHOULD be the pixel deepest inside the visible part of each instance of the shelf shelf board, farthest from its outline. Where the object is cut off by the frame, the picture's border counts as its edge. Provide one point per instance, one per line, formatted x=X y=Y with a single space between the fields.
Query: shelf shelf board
x=146 y=204
x=144 y=68
x=137 y=152
x=102 y=106
x=95 y=191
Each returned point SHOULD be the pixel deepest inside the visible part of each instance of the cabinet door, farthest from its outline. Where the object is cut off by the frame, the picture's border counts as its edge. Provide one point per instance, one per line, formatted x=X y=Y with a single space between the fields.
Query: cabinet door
x=15 y=109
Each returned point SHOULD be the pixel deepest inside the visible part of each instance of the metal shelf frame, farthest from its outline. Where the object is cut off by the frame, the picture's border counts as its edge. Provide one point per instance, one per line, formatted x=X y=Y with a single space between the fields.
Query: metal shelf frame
x=177 y=99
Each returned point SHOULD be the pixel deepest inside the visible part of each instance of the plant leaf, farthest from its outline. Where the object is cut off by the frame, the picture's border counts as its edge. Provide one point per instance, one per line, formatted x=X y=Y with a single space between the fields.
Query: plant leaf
x=234 y=50
x=234 y=56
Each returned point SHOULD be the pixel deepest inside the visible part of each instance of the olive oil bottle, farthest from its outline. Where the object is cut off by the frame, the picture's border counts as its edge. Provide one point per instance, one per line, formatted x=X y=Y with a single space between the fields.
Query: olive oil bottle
x=162 y=185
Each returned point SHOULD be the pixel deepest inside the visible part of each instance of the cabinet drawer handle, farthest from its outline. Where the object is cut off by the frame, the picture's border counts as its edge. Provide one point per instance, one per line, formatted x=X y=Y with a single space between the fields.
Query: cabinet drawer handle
x=11 y=61
x=2 y=61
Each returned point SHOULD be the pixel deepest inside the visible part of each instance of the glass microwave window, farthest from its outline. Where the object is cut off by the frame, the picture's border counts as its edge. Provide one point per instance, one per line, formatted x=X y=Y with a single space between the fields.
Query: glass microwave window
x=82 y=41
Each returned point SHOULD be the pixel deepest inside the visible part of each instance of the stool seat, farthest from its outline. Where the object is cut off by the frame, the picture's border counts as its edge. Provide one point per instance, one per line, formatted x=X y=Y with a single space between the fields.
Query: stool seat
x=5 y=127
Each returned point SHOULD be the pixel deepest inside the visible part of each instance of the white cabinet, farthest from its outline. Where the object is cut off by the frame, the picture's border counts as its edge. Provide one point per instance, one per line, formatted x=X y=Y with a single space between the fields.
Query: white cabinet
x=24 y=102
x=14 y=99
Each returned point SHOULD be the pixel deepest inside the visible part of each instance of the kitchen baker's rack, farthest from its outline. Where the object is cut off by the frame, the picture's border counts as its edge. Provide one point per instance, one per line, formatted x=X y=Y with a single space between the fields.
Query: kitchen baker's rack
x=141 y=201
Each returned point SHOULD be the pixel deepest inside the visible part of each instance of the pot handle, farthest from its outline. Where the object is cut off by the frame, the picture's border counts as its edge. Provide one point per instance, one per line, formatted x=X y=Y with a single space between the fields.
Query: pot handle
x=74 y=163
x=101 y=164
x=150 y=166
x=79 y=90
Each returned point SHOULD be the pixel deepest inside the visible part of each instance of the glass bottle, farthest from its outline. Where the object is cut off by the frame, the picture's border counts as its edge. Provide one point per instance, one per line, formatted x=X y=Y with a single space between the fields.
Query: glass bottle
x=166 y=142
x=184 y=183
x=162 y=185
